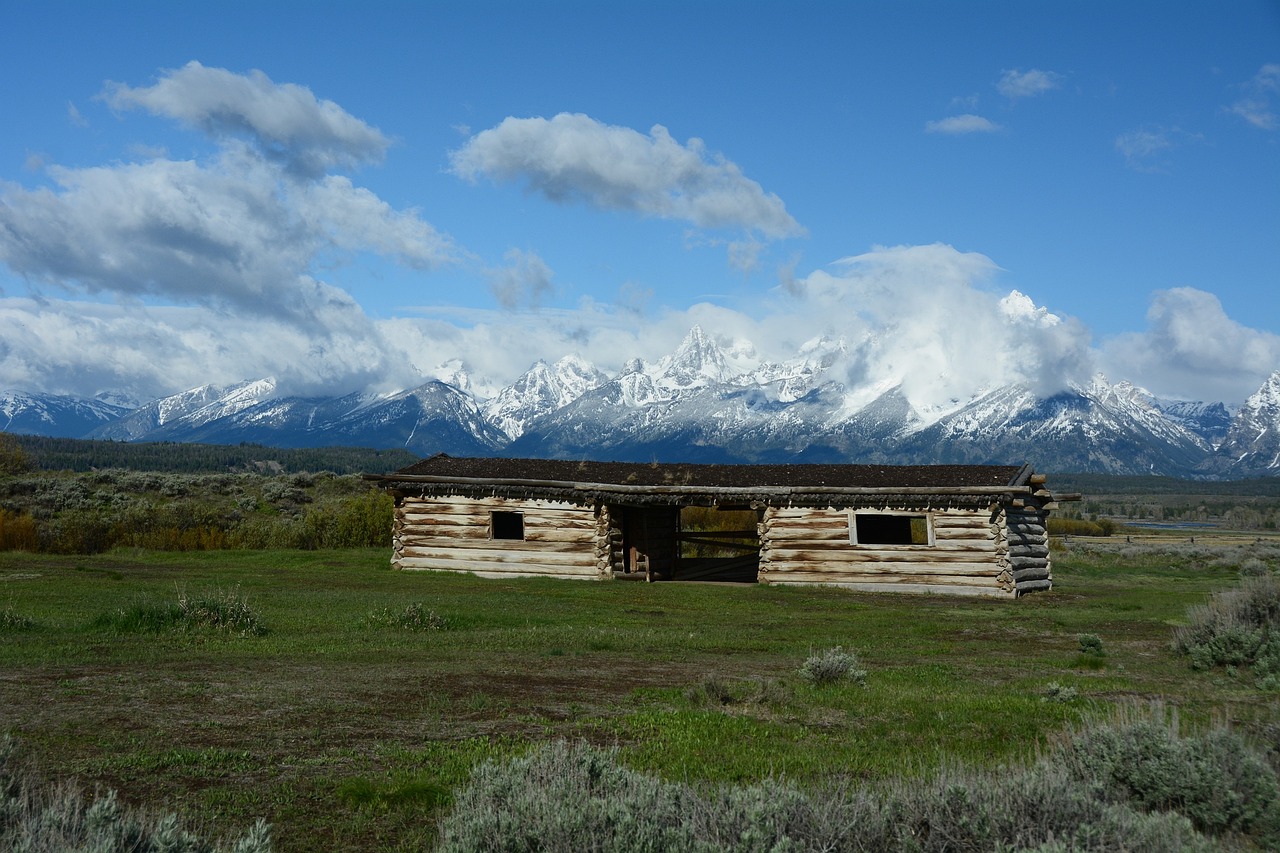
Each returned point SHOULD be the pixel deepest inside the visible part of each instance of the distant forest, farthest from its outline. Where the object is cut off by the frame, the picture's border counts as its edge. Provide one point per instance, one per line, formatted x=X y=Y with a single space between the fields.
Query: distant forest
x=71 y=454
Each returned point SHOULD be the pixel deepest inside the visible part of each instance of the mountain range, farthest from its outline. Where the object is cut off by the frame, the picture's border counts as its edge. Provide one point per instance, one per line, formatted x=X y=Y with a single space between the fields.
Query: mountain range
x=708 y=401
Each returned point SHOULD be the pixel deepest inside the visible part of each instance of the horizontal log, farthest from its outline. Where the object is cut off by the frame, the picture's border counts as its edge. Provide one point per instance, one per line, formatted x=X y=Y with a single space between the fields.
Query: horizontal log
x=842 y=544
x=919 y=589
x=942 y=552
x=882 y=570
x=500 y=502
x=505 y=556
x=1028 y=562
x=524 y=546
x=465 y=515
x=1021 y=575
x=1034 y=586
x=488 y=569
x=1028 y=550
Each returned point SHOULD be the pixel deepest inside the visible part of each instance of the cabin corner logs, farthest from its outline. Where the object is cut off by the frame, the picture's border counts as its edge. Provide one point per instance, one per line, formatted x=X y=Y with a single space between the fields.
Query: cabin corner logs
x=970 y=539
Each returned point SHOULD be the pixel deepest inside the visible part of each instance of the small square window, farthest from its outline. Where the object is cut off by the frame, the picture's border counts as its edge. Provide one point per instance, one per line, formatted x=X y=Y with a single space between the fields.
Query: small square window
x=882 y=528
x=506 y=525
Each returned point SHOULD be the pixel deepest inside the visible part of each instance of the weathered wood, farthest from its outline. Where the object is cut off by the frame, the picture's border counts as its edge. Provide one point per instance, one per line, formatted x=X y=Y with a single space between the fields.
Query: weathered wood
x=1034 y=586
x=1028 y=562
x=971 y=570
x=918 y=589
x=1020 y=575
x=496 y=557
x=521 y=546
x=885 y=579
x=948 y=552
x=526 y=569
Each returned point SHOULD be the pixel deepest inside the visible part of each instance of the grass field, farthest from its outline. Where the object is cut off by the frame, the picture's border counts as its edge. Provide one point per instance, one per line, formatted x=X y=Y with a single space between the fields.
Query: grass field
x=350 y=721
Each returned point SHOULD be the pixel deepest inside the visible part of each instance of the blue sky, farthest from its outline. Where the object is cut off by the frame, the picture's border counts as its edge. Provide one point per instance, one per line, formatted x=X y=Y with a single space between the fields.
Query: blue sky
x=359 y=196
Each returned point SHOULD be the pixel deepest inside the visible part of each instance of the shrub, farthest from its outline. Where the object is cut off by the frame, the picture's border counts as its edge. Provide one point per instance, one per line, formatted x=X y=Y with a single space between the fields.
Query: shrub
x=1055 y=692
x=563 y=797
x=566 y=797
x=1091 y=644
x=1213 y=779
x=12 y=621
x=414 y=617
x=833 y=666
x=226 y=611
x=17 y=532
x=64 y=818
x=1237 y=627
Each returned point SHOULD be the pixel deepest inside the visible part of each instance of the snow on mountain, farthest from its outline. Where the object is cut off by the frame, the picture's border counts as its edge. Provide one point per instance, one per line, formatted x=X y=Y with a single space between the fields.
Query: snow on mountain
x=697 y=363
x=1251 y=447
x=543 y=388
x=711 y=400
x=54 y=414
x=180 y=413
x=1210 y=421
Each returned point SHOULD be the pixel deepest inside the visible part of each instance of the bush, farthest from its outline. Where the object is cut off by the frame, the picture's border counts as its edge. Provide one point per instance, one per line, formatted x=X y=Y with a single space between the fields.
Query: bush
x=833 y=666
x=414 y=617
x=63 y=818
x=1091 y=644
x=1238 y=626
x=12 y=621
x=1214 y=779
x=565 y=797
x=225 y=611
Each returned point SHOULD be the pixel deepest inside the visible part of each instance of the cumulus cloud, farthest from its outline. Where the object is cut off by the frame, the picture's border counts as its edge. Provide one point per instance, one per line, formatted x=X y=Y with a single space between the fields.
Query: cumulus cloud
x=86 y=348
x=1015 y=84
x=286 y=122
x=241 y=230
x=573 y=157
x=523 y=281
x=914 y=315
x=233 y=241
x=961 y=124
x=1193 y=350
x=1256 y=104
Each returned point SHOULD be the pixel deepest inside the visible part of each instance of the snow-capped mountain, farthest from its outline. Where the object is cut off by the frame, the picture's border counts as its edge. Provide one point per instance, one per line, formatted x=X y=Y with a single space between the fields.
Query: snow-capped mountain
x=54 y=414
x=1252 y=444
x=542 y=389
x=711 y=400
x=180 y=413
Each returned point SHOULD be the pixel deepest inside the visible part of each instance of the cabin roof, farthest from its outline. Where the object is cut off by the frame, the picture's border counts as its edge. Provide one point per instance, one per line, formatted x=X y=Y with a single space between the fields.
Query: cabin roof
x=686 y=484
x=677 y=474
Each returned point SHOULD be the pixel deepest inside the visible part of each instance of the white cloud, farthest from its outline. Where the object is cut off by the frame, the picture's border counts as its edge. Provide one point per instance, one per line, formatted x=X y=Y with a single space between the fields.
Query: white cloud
x=961 y=124
x=924 y=316
x=524 y=281
x=573 y=157
x=285 y=121
x=1193 y=350
x=1142 y=149
x=86 y=348
x=1014 y=84
x=1147 y=149
x=1256 y=106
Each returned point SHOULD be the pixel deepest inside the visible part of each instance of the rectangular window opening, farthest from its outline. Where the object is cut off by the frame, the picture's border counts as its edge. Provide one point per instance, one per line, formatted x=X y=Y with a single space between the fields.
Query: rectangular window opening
x=882 y=528
x=506 y=525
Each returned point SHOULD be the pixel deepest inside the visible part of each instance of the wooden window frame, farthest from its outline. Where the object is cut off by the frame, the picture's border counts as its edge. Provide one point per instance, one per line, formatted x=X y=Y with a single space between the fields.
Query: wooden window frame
x=927 y=517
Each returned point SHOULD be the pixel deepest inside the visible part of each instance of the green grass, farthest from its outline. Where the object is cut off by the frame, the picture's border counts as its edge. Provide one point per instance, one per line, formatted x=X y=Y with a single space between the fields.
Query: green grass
x=348 y=731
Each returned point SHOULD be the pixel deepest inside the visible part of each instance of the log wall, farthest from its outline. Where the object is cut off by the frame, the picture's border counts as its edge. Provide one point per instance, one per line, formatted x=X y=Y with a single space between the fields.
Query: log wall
x=812 y=546
x=1025 y=538
x=561 y=540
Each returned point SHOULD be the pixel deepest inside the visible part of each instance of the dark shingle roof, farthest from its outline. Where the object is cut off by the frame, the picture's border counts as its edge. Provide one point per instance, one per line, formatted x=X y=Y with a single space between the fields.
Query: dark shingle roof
x=718 y=476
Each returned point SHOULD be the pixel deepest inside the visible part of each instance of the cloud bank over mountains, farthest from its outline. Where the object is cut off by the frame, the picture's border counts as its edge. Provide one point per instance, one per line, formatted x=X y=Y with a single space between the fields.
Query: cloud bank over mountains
x=159 y=274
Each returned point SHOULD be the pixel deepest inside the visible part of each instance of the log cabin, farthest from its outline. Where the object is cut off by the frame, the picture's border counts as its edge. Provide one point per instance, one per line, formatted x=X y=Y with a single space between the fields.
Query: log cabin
x=953 y=529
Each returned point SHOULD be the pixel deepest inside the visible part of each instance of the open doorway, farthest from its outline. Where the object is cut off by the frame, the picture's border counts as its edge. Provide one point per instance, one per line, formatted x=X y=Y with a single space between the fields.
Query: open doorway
x=718 y=544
